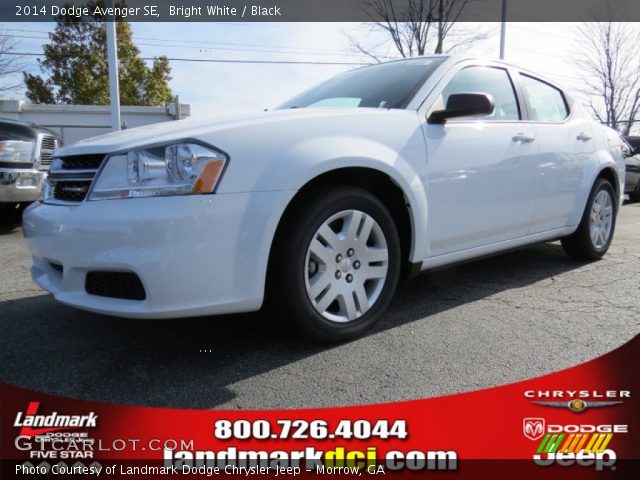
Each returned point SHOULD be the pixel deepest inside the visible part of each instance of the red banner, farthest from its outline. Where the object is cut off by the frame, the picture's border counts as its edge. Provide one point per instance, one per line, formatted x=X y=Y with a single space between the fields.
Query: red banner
x=577 y=423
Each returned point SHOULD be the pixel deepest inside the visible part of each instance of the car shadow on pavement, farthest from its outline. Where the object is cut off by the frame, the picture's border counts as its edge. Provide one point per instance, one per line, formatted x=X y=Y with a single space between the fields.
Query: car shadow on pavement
x=10 y=218
x=8 y=227
x=192 y=362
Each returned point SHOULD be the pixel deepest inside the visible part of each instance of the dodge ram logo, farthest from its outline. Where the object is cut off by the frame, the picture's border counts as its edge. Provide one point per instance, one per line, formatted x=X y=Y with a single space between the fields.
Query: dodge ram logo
x=533 y=428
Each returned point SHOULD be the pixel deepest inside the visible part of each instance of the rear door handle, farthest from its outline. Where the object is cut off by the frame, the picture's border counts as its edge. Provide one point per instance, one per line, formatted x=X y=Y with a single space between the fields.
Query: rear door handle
x=523 y=138
x=583 y=137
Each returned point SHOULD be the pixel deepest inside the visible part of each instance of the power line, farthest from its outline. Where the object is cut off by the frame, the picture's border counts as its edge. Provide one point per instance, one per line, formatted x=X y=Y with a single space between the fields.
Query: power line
x=200 y=42
x=284 y=62
x=203 y=45
x=219 y=60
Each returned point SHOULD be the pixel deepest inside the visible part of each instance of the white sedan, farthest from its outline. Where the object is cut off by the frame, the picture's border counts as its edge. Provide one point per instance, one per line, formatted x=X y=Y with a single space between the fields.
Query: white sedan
x=322 y=205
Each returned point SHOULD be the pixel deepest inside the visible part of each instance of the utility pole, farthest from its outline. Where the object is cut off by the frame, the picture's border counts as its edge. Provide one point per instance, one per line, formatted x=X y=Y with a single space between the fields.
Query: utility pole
x=112 y=58
x=439 y=46
x=503 y=28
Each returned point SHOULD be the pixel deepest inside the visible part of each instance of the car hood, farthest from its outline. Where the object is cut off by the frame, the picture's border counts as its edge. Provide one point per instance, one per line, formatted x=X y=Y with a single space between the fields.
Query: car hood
x=197 y=127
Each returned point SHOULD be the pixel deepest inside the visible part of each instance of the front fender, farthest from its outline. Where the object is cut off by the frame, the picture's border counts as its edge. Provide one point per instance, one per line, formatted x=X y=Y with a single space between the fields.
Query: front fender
x=286 y=155
x=348 y=153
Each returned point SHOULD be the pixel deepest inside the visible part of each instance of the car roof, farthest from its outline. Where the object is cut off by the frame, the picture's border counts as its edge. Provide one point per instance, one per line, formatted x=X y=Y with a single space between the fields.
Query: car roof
x=463 y=58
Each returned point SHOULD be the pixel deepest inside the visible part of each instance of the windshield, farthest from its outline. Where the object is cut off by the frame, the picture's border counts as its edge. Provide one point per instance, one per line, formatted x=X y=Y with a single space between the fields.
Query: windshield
x=388 y=85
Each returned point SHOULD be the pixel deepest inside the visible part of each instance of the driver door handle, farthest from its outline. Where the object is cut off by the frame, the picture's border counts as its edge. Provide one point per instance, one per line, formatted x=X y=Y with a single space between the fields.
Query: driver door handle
x=523 y=138
x=583 y=137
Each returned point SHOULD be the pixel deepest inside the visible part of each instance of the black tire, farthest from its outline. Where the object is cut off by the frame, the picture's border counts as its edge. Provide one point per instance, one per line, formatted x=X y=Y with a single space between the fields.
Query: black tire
x=579 y=245
x=286 y=288
x=634 y=196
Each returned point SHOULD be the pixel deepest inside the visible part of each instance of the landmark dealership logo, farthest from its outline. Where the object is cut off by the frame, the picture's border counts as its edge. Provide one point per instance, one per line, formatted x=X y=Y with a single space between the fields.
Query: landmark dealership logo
x=31 y=423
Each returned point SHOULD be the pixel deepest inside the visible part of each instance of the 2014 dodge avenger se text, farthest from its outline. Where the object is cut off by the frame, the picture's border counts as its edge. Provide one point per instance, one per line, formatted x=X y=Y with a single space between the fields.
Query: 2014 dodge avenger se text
x=322 y=205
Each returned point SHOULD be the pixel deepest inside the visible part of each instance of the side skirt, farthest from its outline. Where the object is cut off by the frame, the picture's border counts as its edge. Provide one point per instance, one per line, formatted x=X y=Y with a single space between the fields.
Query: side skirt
x=494 y=248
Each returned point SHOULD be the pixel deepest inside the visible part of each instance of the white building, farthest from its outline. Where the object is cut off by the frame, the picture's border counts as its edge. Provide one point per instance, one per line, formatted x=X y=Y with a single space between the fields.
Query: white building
x=76 y=122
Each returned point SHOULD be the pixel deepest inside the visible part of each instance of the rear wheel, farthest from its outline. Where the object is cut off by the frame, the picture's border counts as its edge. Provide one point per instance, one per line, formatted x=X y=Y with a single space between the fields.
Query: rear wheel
x=337 y=263
x=594 y=234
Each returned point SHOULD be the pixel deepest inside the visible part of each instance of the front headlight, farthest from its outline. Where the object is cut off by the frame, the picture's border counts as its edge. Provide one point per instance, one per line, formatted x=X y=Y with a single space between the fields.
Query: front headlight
x=176 y=169
x=16 y=151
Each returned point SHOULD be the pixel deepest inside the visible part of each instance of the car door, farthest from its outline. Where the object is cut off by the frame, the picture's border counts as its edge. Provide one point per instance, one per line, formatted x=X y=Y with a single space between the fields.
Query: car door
x=565 y=141
x=481 y=170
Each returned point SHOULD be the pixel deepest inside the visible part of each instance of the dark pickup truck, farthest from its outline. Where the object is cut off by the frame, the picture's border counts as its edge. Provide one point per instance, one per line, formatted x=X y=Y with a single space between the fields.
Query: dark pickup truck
x=632 y=164
x=26 y=150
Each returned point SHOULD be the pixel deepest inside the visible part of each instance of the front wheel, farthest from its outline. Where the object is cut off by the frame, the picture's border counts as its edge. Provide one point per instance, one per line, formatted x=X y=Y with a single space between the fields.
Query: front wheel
x=594 y=234
x=337 y=263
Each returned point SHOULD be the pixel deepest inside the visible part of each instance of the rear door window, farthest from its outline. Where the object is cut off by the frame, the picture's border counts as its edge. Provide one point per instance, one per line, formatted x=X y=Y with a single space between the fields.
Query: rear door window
x=546 y=102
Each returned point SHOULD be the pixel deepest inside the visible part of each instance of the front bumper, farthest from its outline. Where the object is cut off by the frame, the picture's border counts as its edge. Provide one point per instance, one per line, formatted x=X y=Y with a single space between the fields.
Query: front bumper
x=195 y=255
x=21 y=185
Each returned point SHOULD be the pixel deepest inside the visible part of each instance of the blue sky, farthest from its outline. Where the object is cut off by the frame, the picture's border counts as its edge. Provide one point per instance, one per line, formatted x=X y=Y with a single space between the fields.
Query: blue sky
x=212 y=88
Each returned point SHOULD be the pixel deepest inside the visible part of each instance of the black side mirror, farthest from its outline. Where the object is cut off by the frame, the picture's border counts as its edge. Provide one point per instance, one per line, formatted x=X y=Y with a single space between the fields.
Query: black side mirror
x=463 y=105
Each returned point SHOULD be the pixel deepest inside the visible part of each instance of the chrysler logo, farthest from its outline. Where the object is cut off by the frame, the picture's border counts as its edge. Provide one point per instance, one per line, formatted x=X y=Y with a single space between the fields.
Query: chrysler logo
x=577 y=405
x=533 y=428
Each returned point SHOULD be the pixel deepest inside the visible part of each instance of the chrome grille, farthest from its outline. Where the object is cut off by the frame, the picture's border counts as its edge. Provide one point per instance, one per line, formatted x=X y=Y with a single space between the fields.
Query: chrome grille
x=70 y=178
x=48 y=145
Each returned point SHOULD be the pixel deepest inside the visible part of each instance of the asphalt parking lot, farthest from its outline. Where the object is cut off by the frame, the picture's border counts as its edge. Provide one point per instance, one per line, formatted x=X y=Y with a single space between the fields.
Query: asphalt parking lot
x=477 y=325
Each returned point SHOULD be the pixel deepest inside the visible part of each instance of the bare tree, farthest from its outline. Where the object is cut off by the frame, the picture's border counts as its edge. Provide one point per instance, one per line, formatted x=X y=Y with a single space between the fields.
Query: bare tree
x=417 y=27
x=11 y=64
x=610 y=66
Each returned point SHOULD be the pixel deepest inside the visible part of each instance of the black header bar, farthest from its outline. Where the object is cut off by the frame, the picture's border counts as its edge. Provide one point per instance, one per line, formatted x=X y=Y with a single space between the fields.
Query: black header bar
x=323 y=10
